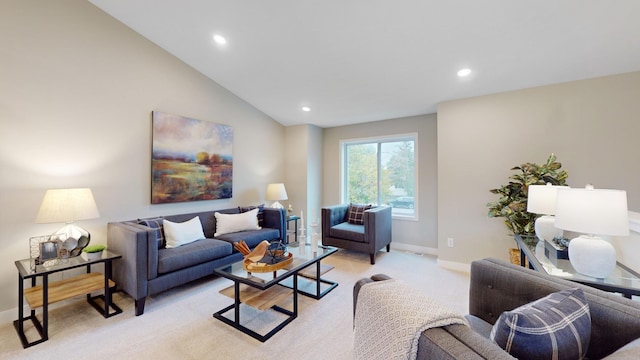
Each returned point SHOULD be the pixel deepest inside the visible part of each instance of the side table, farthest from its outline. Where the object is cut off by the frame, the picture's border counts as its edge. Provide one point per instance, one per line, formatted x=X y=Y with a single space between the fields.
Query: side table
x=49 y=293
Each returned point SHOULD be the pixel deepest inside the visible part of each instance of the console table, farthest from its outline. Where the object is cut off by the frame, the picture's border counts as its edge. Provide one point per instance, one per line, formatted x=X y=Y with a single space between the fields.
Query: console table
x=623 y=280
x=49 y=293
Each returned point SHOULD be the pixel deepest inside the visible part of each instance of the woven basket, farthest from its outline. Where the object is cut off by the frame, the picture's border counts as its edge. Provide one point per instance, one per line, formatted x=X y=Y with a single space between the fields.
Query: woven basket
x=259 y=267
x=514 y=255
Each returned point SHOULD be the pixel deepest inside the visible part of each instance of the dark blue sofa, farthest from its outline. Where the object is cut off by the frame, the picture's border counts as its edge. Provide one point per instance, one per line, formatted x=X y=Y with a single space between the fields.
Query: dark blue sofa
x=147 y=268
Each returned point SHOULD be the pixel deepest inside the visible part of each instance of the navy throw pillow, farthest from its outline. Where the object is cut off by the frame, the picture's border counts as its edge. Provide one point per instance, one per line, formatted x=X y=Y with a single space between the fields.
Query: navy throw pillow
x=155 y=223
x=557 y=326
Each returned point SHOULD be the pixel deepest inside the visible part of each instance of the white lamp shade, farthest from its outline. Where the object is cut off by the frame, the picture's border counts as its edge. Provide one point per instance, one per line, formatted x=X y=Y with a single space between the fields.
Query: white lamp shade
x=276 y=192
x=542 y=199
x=593 y=211
x=67 y=205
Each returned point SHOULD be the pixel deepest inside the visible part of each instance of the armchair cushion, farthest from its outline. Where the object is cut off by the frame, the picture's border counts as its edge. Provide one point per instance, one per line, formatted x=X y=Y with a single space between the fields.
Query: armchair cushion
x=355 y=214
x=348 y=231
x=557 y=326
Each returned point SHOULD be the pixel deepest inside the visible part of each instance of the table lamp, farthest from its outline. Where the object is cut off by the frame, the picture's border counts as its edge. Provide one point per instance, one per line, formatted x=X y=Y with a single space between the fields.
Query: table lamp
x=69 y=205
x=595 y=213
x=276 y=192
x=541 y=199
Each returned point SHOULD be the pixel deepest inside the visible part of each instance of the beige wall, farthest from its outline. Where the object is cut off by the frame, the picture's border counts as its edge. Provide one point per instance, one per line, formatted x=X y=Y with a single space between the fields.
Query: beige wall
x=303 y=163
x=76 y=93
x=418 y=235
x=591 y=125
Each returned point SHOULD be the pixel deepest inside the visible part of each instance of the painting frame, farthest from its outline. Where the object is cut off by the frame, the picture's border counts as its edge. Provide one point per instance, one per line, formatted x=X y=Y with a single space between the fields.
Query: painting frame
x=191 y=160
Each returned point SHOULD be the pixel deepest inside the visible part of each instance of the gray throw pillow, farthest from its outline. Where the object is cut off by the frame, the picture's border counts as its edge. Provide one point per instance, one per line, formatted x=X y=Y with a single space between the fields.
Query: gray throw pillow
x=557 y=326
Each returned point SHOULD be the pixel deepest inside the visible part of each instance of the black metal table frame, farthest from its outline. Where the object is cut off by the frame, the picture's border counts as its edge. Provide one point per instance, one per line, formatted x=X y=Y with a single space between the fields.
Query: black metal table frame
x=319 y=294
x=43 y=327
x=236 y=306
x=291 y=314
x=529 y=259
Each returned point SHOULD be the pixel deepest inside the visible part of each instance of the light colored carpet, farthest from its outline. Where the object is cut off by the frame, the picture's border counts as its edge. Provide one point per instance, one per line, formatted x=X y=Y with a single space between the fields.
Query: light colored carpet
x=178 y=324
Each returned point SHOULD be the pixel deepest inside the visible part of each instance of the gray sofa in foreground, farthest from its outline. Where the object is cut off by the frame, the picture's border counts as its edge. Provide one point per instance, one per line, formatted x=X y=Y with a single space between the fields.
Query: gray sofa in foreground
x=148 y=268
x=497 y=286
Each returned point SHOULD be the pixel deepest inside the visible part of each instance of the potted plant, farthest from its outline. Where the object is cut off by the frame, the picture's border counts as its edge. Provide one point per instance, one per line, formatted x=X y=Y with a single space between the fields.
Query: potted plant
x=512 y=203
x=93 y=252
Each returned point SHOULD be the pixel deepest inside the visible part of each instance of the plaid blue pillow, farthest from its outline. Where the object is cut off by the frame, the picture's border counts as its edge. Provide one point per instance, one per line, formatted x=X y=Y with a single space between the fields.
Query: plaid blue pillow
x=557 y=326
x=155 y=223
x=355 y=214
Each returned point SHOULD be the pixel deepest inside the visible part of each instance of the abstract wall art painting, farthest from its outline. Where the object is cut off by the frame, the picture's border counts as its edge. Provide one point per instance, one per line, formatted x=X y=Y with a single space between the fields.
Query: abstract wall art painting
x=192 y=159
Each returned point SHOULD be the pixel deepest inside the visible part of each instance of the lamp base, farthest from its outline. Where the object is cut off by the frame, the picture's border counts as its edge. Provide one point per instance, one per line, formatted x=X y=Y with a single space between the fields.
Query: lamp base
x=77 y=239
x=277 y=205
x=592 y=256
x=545 y=227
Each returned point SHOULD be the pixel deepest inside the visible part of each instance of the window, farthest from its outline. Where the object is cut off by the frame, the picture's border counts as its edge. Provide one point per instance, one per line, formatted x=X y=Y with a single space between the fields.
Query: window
x=381 y=171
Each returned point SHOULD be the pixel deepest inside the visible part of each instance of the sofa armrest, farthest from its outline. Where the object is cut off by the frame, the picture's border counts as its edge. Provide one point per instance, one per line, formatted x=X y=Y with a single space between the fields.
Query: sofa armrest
x=276 y=219
x=358 y=285
x=137 y=245
x=450 y=342
x=377 y=226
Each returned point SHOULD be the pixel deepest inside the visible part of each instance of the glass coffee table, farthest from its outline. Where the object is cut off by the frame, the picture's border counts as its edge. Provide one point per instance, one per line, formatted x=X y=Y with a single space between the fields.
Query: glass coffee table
x=264 y=291
x=535 y=255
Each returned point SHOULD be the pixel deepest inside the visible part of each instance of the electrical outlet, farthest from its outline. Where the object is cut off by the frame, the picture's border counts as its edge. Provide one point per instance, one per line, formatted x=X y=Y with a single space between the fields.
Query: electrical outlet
x=450 y=242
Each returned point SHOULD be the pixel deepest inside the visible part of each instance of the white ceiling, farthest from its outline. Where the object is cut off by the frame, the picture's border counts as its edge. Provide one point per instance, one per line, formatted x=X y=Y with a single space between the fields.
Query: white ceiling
x=354 y=61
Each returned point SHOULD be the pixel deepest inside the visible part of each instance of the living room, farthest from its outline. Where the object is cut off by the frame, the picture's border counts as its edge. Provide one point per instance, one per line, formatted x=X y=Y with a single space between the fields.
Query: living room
x=78 y=89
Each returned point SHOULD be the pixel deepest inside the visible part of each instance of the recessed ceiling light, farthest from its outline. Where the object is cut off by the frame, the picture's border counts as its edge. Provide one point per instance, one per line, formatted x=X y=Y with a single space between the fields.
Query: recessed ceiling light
x=219 y=39
x=306 y=109
x=464 y=72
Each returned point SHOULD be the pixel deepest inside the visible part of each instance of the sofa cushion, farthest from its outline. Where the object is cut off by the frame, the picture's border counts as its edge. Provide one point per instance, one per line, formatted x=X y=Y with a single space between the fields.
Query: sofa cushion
x=230 y=223
x=194 y=253
x=355 y=214
x=348 y=231
x=155 y=223
x=260 y=208
x=177 y=234
x=252 y=238
x=557 y=326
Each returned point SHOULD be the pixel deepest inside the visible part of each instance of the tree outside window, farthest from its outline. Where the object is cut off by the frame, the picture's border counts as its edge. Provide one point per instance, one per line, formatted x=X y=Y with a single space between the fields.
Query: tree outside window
x=382 y=171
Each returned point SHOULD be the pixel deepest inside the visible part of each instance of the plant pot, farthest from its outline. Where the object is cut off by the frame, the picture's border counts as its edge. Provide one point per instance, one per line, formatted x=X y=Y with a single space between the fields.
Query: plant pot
x=92 y=256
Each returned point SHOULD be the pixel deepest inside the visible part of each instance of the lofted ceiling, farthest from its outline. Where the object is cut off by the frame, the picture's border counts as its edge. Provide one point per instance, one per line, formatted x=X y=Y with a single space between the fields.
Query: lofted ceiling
x=354 y=61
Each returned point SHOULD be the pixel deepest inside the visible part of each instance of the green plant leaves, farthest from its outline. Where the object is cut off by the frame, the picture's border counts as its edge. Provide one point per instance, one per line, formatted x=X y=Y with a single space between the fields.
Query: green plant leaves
x=512 y=204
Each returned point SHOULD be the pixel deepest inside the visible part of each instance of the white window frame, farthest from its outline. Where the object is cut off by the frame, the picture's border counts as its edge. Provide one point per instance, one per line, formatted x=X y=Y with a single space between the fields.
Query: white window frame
x=378 y=140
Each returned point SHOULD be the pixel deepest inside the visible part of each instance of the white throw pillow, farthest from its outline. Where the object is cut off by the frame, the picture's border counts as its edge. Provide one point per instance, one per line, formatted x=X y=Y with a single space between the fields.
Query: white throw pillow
x=177 y=234
x=230 y=223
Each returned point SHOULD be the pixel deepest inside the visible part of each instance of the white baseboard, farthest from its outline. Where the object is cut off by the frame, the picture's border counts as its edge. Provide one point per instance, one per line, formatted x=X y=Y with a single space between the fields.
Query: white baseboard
x=456 y=266
x=450 y=265
x=7 y=316
x=414 y=248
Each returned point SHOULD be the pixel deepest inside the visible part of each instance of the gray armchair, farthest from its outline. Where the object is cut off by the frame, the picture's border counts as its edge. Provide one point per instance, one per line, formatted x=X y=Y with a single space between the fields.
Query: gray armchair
x=370 y=237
